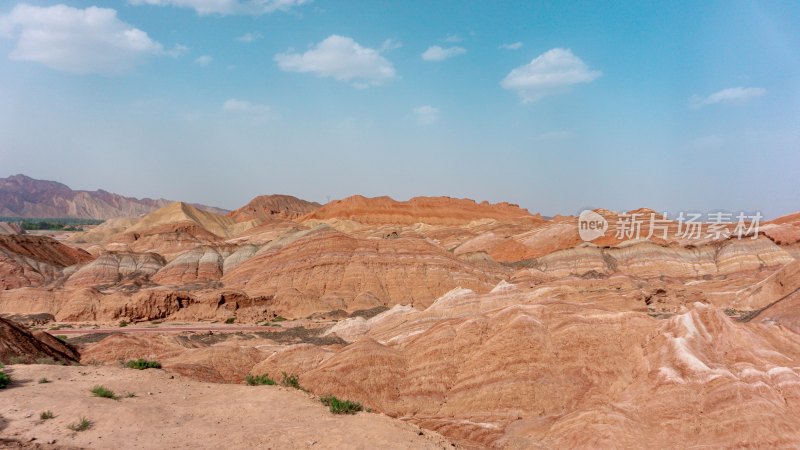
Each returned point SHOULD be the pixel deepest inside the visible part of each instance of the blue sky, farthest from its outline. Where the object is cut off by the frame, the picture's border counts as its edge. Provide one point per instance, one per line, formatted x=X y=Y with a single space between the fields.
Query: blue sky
x=552 y=105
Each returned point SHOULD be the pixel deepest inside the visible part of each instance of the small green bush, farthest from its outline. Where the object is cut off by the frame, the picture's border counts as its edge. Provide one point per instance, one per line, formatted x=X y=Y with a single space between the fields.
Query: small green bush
x=230 y=320
x=102 y=391
x=290 y=380
x=43 y=380
x=61 y=337
x=5 y=380
x=47 y=415
x=341 y=406
x=141 y=364
x=123 y=324
x=81 y=425
x=259 y=380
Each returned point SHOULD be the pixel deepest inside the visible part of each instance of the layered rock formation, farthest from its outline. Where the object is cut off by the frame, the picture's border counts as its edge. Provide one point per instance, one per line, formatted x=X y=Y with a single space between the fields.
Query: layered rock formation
x=430 y=210
x=266 y=207
x=18 y=345
x=27 y=260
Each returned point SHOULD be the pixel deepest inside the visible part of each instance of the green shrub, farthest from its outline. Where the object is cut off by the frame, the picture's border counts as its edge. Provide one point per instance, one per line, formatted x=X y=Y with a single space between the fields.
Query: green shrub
x=61 y=337
x=81 y=425
x=230 y=320
x=123 y=324
x=43 y=380
x=102 y=391
x=5 y=380
x=47 y=415
x=290 y=380
x=142 y=364
x=341 y=406
x=279 y=319
x=259 y=380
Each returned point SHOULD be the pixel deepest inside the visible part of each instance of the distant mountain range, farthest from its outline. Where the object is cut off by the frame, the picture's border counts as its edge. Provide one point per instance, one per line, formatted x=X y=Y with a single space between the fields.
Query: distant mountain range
x=24 y=197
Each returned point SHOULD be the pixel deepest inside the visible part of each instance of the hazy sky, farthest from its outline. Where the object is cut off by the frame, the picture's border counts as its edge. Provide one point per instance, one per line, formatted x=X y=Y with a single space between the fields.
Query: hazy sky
x=553 y=105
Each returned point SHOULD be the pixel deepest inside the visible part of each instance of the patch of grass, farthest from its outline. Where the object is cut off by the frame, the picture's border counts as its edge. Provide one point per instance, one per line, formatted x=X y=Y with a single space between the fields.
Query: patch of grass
x=81 y=425
x=5 y=380
x=102 y=391
x=46 y=415
x=61 y=337
x=123 y=324
x=230 y=320
x=2 y=365
x=141 y=364
x=279 y=319
x=43 y=380
x=17 y=360
x=259 y=380
x=290 y=380
x=341 y=406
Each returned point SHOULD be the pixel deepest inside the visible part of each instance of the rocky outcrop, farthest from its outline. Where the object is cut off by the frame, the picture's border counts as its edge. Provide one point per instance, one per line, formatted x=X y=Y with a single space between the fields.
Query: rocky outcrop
x=333 y=268
x=113 y=268
x=7 y=228
x=266 y=207
x=17 y=344
x=429 y=210
x=27 y=260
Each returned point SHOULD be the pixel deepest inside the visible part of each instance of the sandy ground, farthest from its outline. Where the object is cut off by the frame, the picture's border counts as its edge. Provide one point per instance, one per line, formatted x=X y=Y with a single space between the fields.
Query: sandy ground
x=169 y=411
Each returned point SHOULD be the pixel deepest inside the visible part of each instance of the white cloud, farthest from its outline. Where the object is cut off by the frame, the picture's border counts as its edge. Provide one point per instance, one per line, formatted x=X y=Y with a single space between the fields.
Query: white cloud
x=729 y=96
x=91 y=40
x=389 y=45
x=552 y=72
x=227 y=7
x=512 y=46
x=426 y=115
x=453 y=38
x=248 y=38
x=259 y=113
x=203 y=61
x=436 y=53
x=341 y=58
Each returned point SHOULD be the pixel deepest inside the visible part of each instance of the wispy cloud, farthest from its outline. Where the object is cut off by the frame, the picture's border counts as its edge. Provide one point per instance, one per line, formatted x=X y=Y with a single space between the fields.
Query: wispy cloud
x=389 y=45
x=512 y=46
x=436 y=53
x=227 y=7
x=729 y=96
x=257 y=112
x=340 y=58
x=204 y=60
x=426 y=115
x=91 y=40
x=248 y=38
x=453 y=38
x=553 y=72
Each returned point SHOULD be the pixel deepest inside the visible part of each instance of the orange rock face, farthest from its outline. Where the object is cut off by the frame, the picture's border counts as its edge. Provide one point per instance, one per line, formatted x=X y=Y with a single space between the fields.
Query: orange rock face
x=489 y=325
x=35 y=260
x=429 y=210
x=273 y=207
